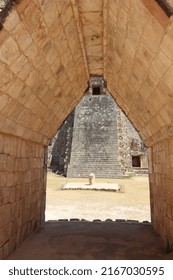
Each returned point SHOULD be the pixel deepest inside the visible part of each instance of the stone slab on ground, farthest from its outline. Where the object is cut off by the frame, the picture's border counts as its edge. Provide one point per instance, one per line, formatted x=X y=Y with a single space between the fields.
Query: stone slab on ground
x=96 y=186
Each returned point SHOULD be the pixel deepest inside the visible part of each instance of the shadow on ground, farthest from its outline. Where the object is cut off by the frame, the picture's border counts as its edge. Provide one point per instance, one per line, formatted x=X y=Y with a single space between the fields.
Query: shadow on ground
x=81 y=240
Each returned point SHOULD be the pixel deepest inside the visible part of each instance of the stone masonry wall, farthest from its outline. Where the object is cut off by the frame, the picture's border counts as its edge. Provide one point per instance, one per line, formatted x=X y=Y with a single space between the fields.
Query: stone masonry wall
x=22 y=193
x=124 y=138
x=59 y=149
x=42 y=72
x=127 y=135
x=161 y=191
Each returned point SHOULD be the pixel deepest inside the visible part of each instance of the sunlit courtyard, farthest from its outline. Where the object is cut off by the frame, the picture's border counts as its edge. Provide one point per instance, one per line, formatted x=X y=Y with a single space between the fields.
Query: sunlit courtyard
x=132 y=202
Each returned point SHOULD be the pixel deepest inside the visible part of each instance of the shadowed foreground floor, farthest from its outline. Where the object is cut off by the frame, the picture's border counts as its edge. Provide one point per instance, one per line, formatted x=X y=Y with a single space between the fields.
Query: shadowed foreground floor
x=80 y=240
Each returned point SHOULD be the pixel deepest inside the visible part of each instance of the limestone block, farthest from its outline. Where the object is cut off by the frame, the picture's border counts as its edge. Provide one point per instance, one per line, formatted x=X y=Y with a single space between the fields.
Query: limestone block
x=37 y=104
x=32 y=51
x=96 y=40
x=71 y=33
x=10 y=108
x=3 y=179
x=28 y=177
x=139 y=70
x=6 y=250
x=25 y=71
x=146 y=54
x=32 y=17
x=3 y=162
x=56 y=65
x=12 y=243
x=164 y=115
x=61 y=42
x=138 y=19
x=8 y=146
x=18 y=193
x=155 y=31
x=52 y=83
x=50 y=12
x=3 y=36
x=4 y=99
x=5 y=215
x=92 y=30
x=51 y=56
x=22 y=36
x=39 y=34
x=8 y=195
x=23 y=97
x=32 y=79
x=91 y=18
x=160 y=64
x=11 y=21
x=16 y=88
x=10 y=179
x=61 y=4
x=9 y=51
x=48 y=74
x=95 y=51
x=67 y=15
x=90 y=6
x=122 y=21
x=14 y=211
x=167 y=80
x=166 y=46
x=48 y=44
x=6 y=79
x=39 y=63
x=4 y=235
x=56 y=27
x=19 y=63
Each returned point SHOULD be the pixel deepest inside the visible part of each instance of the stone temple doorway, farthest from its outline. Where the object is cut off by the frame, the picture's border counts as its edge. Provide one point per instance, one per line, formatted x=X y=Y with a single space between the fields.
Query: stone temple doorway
x=136 y=161
x=97 y=138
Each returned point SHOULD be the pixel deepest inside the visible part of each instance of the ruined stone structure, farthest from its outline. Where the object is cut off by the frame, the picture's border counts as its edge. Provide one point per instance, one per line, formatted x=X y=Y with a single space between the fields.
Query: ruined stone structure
x=132 y=153
x=59 y=149
x=95 y=141
x=48 y=50
x=97 y=137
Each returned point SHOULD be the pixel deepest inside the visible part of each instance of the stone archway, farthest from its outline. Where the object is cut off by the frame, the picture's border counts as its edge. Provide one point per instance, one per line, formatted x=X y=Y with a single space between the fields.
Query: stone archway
x=48 y=50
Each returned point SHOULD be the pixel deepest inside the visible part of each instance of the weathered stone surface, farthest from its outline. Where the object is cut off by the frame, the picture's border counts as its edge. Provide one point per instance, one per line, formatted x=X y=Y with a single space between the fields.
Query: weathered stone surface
x=21 y=189
x=94 y=148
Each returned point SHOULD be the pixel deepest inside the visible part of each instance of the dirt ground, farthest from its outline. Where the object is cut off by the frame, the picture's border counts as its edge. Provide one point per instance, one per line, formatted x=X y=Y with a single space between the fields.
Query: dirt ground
x=131 y=203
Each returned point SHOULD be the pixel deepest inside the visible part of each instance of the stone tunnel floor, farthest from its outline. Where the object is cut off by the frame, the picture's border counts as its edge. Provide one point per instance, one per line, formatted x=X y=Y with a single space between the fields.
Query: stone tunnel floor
x=88 y=239
x=82 y=240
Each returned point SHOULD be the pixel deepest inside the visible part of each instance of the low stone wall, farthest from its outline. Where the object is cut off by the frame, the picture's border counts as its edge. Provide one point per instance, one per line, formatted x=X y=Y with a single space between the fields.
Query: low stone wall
x=22 y=193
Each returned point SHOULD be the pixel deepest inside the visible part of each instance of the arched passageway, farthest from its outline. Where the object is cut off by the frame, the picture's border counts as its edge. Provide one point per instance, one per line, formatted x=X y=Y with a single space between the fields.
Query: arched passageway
x=48 y=50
